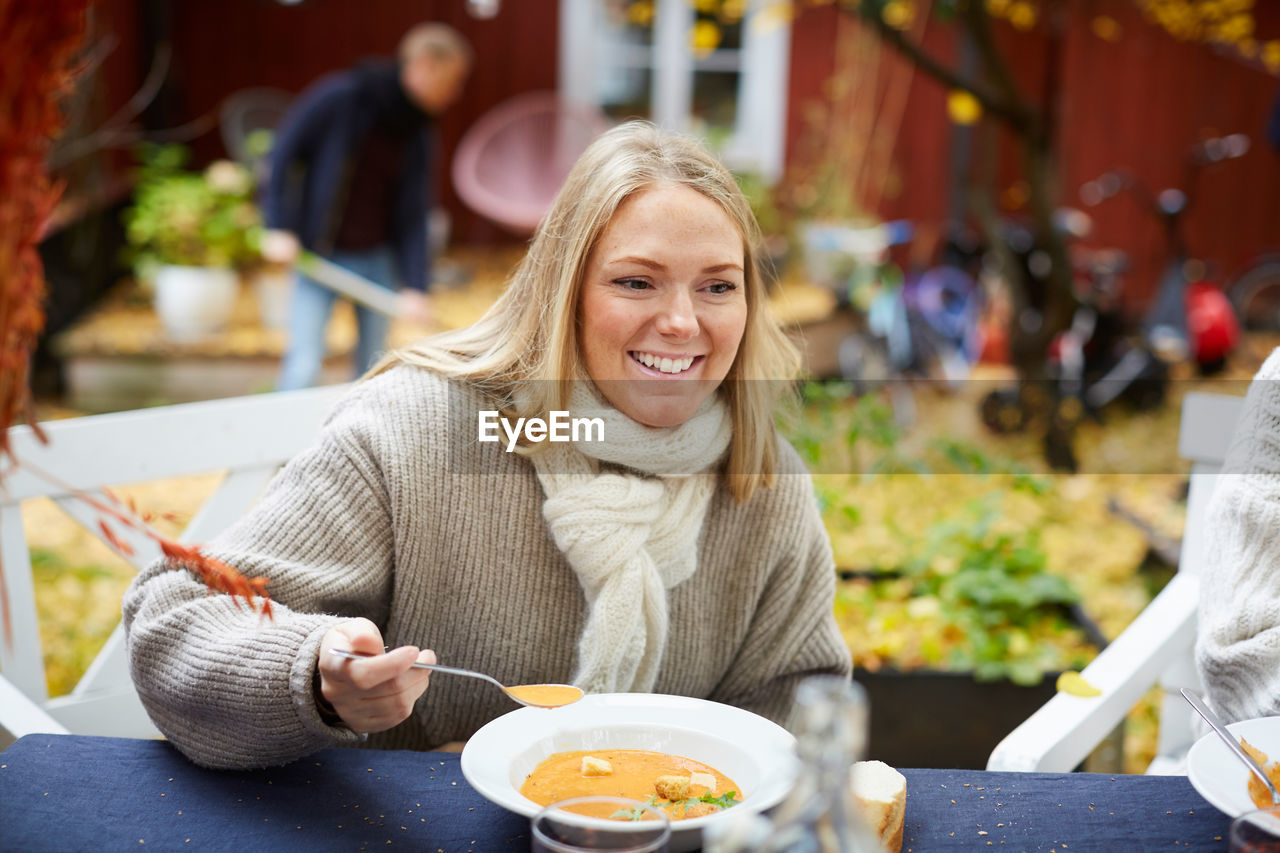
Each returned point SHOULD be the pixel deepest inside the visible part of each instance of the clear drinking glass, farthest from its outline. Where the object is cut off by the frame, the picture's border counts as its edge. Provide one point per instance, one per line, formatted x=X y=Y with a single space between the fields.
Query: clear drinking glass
x=1256 y=832
x=584 y=823
x=831 y=734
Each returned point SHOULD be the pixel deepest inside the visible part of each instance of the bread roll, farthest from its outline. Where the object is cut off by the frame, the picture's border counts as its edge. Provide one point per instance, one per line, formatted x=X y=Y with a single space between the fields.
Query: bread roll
x=879 y=795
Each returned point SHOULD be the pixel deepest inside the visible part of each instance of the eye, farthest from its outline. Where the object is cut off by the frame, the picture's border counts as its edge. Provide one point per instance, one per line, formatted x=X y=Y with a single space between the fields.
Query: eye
x=632 y=283
x=722 y=287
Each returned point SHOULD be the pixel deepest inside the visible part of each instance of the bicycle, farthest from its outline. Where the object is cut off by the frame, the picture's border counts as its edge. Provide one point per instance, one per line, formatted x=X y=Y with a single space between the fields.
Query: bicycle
x=922 y=325
x=1255 y=294
x=1191 y=317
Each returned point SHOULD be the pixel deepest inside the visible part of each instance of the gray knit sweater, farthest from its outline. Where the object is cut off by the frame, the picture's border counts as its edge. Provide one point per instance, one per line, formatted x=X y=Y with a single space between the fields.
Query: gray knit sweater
x=1238 y=641
x=398 y=514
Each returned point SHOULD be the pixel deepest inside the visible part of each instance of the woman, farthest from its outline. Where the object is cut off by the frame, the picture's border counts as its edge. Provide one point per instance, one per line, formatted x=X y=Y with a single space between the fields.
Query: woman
x=679 y=552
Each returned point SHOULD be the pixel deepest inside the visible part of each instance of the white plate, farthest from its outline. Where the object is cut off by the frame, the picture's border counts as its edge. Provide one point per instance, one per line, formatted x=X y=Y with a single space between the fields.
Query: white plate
x=754 y=752
x=1221 y=777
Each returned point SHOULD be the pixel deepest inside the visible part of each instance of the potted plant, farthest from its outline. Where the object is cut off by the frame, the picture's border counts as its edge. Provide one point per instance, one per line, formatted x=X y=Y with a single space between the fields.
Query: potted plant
x=272 y=283
x=192 y=234
x=774 y=224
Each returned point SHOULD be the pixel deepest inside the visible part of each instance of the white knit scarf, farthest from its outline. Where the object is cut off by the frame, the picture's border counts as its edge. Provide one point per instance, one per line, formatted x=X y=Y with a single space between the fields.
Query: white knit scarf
x=629 y=538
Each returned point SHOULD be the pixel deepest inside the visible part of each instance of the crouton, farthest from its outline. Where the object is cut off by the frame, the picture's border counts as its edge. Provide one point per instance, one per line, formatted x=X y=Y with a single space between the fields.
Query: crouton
x=592 y=766
x=700 y=809
x=706 y=780
x=672 y=787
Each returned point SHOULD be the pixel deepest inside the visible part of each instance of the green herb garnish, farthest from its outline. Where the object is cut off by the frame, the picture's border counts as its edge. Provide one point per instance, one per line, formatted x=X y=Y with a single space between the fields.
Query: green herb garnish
x=634 y=814
x=724 y=801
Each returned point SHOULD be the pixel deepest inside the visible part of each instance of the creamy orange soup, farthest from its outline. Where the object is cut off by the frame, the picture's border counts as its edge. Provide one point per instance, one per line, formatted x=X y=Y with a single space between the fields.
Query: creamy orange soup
x=550 y=695
x=1258 y=792
x=673 y=783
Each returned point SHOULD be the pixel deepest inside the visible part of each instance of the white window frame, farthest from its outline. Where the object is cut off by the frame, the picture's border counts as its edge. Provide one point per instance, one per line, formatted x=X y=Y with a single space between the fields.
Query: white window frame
x=758 y=141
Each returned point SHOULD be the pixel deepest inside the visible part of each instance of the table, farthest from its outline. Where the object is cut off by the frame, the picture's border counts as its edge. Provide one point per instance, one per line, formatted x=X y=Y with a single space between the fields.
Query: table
x=70 y=792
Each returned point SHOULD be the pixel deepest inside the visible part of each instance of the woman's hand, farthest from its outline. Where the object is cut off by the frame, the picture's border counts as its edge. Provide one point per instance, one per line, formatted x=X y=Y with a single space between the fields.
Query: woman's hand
x=375 y=694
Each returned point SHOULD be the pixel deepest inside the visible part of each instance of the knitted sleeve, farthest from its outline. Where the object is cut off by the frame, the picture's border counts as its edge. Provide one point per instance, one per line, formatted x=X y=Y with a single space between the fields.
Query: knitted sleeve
x=228 y=687
x=793 y=632
x=1238 y=642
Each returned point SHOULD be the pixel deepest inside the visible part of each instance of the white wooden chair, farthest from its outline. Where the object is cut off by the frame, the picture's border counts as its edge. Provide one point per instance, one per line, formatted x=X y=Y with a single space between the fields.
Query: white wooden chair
x=247 y=437
x=1156 y=648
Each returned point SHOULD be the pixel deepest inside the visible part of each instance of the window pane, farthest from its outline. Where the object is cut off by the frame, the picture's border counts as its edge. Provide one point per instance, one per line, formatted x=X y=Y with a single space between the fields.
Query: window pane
x=728 y=28
x=715 y=99
x=625 y=93
x=630 y=21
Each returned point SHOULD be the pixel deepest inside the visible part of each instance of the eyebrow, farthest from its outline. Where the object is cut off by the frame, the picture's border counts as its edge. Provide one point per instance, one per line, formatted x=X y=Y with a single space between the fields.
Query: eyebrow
x=655 y=265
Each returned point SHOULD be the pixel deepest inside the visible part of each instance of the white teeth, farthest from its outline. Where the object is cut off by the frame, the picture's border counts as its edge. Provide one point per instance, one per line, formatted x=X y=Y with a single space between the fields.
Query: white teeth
x=664 y=365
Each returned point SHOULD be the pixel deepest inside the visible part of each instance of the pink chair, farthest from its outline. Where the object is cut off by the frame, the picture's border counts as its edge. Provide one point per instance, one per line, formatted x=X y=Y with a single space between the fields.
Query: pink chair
x=510 y=164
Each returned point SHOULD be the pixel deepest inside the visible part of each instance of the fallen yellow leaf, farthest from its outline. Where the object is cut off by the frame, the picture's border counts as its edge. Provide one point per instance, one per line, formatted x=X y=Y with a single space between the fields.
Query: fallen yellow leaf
x=1073 y=683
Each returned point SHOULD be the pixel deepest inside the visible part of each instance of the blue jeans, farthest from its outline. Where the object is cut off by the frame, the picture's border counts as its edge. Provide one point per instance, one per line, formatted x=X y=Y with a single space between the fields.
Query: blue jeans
x=309 y=311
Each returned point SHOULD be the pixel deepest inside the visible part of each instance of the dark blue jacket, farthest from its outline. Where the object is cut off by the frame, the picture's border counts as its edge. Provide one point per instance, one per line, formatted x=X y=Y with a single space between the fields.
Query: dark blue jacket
x=313 y=153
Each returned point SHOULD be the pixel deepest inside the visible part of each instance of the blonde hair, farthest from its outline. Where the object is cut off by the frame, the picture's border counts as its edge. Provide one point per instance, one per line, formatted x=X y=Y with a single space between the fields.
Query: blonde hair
x=439 y=41
x=525 y=351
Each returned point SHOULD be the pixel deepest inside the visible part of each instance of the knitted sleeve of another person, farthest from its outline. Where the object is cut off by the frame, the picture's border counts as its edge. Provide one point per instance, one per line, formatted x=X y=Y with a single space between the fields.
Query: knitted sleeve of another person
x=1238 y=643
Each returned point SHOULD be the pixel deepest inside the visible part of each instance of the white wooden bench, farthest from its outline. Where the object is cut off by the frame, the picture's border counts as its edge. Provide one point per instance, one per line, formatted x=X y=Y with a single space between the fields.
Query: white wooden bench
x=247 y=437
x=1156 y=648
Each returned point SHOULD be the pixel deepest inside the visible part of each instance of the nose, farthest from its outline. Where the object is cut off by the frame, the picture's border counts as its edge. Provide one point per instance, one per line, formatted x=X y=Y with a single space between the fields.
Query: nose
x=677 y=317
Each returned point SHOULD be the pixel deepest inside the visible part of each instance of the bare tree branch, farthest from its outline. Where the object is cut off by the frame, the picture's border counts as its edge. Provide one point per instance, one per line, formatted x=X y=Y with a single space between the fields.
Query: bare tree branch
x=978 y=24
x=869 y=12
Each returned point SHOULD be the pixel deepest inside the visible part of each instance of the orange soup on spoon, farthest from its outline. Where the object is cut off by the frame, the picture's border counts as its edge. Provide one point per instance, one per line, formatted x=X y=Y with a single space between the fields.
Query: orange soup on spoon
x=545 y=695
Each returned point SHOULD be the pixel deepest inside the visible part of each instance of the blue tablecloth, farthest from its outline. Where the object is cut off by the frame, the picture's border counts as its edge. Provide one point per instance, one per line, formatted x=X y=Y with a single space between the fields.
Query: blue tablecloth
x=66 y=793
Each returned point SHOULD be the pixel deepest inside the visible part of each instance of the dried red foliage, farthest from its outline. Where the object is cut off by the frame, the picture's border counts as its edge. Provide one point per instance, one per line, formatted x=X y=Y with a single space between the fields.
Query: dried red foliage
x=220 y=577
x=41 y=40
x=216 y=575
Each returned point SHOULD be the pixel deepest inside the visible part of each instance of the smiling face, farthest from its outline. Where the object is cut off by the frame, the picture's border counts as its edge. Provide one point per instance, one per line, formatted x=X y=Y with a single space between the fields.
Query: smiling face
x=663 y=304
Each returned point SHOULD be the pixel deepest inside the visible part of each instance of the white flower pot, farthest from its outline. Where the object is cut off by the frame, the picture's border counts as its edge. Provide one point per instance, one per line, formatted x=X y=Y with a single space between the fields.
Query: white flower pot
x=273 y=290
x=194 y=302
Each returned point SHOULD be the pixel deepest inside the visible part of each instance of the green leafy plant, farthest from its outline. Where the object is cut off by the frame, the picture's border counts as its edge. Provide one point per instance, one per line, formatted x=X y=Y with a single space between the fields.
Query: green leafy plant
x=972 y=598
x=762 y=196
x=959 y=584
x=191 y=218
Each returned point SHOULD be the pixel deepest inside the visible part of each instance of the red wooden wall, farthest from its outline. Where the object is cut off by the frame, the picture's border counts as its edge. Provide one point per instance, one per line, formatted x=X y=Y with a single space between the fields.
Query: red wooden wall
x=1138 y=102
x=221 y=46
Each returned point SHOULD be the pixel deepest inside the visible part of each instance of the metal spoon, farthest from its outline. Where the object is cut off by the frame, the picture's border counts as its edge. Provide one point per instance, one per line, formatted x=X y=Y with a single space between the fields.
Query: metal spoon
x=533 y=695
x=1220 y=729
